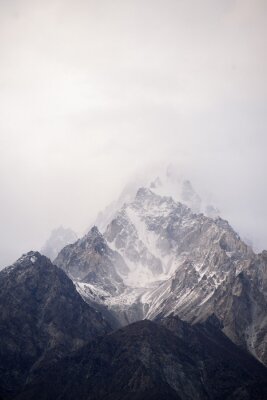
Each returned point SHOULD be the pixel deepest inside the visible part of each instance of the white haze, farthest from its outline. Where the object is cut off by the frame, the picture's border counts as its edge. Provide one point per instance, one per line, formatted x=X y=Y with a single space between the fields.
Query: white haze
x=92 y=91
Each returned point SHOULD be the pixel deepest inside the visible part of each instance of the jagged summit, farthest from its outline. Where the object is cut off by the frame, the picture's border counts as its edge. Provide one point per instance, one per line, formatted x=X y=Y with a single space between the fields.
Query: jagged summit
x=155 y=183
x=90 y=260
x=143 y=192
x=143 y=231
x=93 y=237
x=170 y=182
x=95 y=231
x=147 y=198
x=28 y=260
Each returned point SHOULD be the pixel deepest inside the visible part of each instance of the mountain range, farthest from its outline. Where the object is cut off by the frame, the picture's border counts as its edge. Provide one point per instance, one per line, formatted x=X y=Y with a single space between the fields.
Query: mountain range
x=165 y=302
x=175 y=262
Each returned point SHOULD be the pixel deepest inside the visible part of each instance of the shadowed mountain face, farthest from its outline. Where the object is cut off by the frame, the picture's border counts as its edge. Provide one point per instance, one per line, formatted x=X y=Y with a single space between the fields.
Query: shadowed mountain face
x=42 y=318
x=147 y=360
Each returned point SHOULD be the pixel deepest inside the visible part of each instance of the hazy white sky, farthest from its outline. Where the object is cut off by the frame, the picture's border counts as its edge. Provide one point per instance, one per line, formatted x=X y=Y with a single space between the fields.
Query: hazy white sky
x=91 y=91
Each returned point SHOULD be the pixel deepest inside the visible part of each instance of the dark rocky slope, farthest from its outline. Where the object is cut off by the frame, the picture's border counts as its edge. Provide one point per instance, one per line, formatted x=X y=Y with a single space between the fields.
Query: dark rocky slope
x=42 y=318
x=151 y=361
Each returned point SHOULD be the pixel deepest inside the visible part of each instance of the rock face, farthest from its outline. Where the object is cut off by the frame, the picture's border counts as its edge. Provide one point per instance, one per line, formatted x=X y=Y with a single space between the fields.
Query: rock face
x=149 y=361
x=199 y=290
x=42 y=318
x=58 y=239
x=90 y=260
x=154 y=232
x=191 y=265
x=98 y=273
x=167 y=183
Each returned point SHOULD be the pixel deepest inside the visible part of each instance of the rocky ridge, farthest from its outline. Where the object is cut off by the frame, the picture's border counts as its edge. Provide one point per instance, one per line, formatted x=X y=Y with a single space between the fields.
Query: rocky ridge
x=42 y=318
x=166 y=183
x=152 y=361
x=90 y=260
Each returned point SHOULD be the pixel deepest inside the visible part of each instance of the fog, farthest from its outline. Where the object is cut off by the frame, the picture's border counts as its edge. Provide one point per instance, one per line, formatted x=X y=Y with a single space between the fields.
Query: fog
x=92 y=92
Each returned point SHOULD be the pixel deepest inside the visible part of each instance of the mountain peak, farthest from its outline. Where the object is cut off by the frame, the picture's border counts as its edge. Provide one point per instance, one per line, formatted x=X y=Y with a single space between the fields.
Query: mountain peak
x=27 y=260
x=144 y=192
x=30 y=257
x=156 y=183
x=94 y=231
x=93 y=236
x=91 y=260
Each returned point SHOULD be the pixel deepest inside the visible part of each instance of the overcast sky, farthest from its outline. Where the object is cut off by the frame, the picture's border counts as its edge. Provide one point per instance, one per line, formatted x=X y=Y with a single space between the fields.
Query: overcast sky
x=92 y=91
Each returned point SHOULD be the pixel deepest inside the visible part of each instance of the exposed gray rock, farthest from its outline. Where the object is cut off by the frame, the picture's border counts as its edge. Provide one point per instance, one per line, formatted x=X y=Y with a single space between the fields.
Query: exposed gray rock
x=90 y=260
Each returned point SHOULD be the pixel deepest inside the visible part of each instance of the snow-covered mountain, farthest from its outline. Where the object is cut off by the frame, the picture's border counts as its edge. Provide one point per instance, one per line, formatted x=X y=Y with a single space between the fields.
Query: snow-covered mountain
x=163 y=258
x=169 y=183
x=58 y=239
x=154 y=234
x=89 y=260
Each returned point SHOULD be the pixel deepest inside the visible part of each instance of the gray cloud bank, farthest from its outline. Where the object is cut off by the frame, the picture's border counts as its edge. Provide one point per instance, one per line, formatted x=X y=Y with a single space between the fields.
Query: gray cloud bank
x=91 y=91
